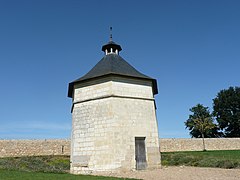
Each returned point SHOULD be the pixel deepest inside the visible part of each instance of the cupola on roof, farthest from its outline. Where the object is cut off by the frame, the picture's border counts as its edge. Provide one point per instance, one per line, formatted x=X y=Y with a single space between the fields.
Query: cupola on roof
x=111 y=47
x=112 y=64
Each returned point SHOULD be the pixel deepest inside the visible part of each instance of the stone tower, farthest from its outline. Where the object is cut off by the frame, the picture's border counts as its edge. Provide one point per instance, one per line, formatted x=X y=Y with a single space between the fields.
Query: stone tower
x=114 y=124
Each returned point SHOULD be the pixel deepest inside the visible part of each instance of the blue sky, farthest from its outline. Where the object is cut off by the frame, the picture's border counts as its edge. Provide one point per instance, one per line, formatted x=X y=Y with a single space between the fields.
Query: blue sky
x=191 y=47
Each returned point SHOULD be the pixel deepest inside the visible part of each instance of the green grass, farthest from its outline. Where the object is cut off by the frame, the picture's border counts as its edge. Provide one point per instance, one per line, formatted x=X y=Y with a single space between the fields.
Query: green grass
x=21 y=175
x=57 y=164
x=221 y=159
x=56 y=167
x=41 y=168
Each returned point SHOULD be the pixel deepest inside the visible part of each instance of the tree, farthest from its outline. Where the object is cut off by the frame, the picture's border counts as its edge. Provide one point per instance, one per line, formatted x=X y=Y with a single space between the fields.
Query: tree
x=226 y=109
x=201 y=121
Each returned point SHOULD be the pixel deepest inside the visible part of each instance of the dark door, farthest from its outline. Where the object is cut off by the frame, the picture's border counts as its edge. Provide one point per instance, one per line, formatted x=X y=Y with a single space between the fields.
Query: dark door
x=140 y=153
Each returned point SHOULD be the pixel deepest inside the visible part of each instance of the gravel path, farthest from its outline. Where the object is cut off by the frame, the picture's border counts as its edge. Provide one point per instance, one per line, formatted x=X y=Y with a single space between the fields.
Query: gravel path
x=182 y=173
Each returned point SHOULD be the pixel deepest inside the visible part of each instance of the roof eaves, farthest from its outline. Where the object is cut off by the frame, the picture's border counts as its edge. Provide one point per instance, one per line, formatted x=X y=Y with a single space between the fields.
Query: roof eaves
x=71 y=85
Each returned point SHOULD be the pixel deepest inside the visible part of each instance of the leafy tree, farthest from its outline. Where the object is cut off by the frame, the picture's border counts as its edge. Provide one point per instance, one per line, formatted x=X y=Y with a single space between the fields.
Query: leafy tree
x=200 y=122
x=210 y=133
x=226 y=109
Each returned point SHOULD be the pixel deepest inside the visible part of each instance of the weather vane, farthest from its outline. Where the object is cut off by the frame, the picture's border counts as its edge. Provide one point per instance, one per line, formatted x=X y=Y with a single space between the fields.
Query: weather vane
x=110 y=33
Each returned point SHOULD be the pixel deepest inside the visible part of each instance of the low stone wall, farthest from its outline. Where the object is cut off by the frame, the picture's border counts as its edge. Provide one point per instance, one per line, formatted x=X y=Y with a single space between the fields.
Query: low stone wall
x=16 y=148
x=195 y=144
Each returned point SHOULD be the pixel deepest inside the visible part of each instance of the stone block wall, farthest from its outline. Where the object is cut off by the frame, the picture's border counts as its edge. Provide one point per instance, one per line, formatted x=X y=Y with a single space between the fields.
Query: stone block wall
x=107 y=116
x=17 y=148
x=195 y=144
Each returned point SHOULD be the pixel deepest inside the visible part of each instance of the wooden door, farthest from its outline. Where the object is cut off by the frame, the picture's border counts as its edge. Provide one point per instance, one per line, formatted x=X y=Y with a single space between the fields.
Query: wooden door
x=140 y=153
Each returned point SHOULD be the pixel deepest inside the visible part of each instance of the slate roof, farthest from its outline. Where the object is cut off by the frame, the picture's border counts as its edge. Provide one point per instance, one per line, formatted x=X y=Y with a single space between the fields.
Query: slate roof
x=111 y=44
x=112 y=64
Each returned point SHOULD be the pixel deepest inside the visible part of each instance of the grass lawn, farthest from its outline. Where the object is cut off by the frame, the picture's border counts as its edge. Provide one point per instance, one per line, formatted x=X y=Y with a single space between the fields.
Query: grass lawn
x=56 y=164
x=41 y=168
x=221 y=159
x=20 y=175
x=55 y=167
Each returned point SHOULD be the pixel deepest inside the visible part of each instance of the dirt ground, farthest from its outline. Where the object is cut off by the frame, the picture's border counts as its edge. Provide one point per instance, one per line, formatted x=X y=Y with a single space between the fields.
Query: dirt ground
x=181 y=173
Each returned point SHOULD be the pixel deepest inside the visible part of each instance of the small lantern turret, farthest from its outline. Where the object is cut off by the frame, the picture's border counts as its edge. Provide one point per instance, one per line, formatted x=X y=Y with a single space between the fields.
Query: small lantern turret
x=111 y=47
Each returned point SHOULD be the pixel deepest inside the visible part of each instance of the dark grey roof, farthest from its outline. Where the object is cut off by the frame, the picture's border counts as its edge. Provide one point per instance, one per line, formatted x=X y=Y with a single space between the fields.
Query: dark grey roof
x=113 y=45
x=112 y=64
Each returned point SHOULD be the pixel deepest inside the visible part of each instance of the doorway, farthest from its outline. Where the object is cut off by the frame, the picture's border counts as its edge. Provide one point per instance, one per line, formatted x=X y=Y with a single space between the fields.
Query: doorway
x=140 y=153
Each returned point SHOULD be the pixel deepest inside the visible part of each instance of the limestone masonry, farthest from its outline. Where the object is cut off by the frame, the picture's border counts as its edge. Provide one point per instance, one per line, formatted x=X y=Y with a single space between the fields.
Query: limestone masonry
x=114 y=125
x=195 y=144
x=17 y=148
x=105 y=139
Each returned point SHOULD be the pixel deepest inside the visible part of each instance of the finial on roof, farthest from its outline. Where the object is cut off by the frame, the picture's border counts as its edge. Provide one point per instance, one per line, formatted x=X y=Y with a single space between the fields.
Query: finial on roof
x=110 y=34
x=111 y=47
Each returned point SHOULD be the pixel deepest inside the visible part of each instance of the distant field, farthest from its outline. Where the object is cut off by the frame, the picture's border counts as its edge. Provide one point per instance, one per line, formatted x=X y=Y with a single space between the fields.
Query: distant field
x=220 y=159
